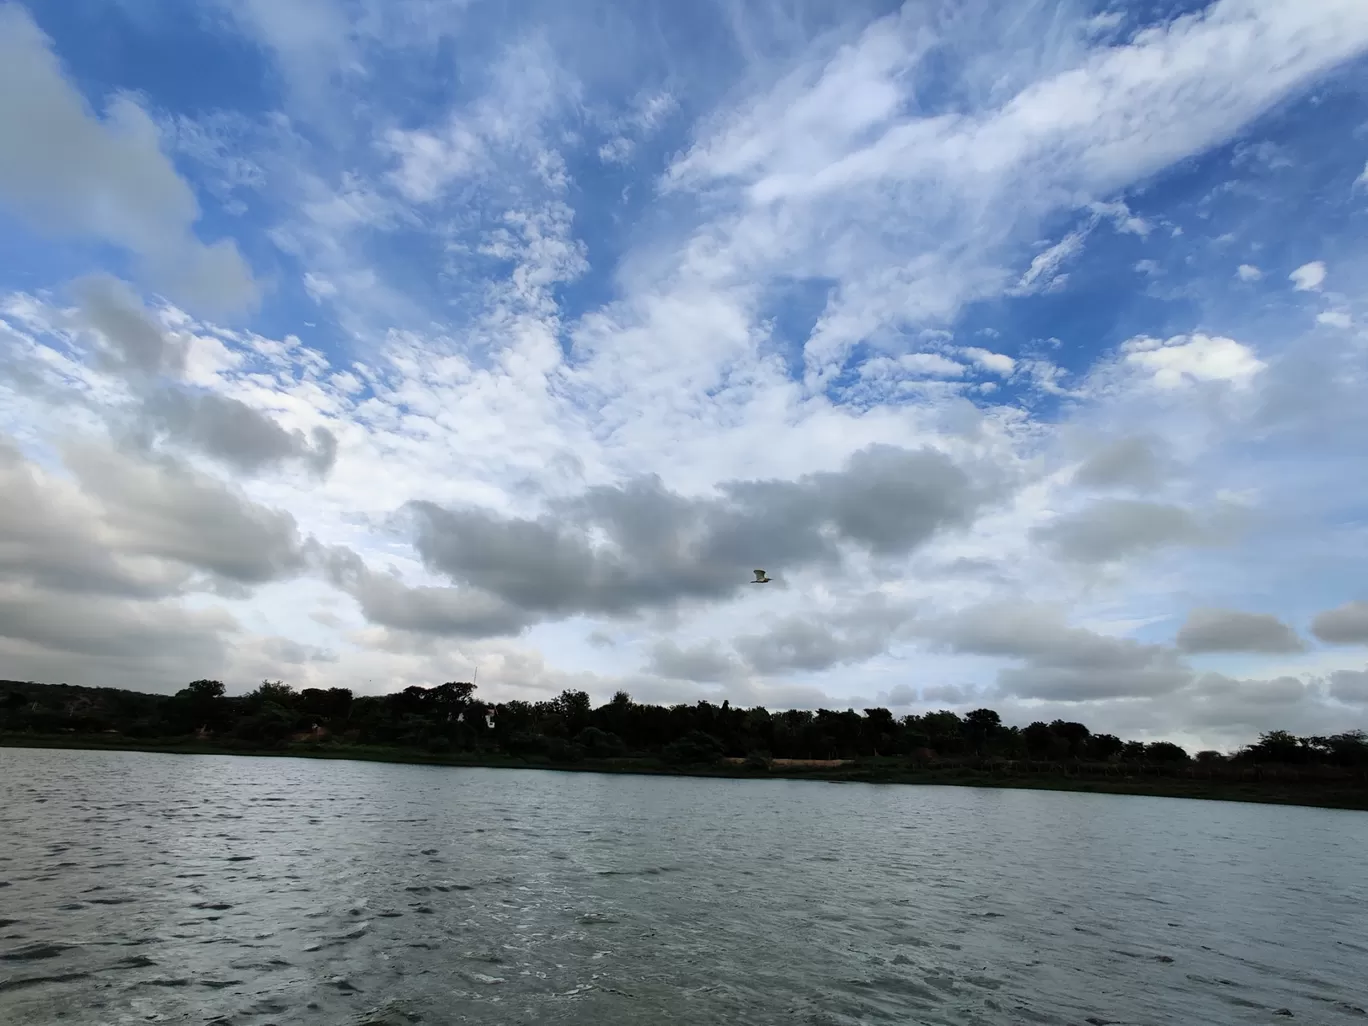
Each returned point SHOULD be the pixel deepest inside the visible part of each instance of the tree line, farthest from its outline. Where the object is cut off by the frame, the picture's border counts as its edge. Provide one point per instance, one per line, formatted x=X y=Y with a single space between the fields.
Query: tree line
x=450 y=719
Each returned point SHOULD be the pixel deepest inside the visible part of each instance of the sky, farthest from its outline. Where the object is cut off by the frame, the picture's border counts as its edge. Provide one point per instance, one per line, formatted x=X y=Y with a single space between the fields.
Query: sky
x=371 y=343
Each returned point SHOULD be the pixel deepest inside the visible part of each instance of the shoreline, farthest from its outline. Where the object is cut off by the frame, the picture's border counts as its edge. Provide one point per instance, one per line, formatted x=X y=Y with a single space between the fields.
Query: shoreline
x=1345 y=795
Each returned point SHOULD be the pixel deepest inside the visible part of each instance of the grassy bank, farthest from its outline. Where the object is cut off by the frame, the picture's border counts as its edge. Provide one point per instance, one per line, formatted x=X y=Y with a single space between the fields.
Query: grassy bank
x=1332 y=793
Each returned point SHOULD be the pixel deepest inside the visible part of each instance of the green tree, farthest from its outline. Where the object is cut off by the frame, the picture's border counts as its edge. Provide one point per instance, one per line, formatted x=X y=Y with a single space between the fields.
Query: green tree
x=1165 y=752
x=1040 y=739
x=693 y=749
x=1103 y=747
x=573 y=707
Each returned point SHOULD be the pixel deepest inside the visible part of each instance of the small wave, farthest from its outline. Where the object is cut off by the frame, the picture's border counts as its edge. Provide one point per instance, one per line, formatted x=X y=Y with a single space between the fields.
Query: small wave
x=33 y=981
x=35 y=952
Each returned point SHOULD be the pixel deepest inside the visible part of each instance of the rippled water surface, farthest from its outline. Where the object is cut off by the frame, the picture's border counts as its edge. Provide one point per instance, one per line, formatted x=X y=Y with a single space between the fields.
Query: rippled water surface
x=214 y=889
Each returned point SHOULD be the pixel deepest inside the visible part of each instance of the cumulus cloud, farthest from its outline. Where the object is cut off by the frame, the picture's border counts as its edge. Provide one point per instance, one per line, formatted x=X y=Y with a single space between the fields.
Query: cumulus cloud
x=1248 y=272
x=1131 y=462
x=808 y=644
x=705 y=662
x=135 y=344
x=1229 y=630
x=1308 y=277
x=127 y=526
x=1344 y=625
x=97 y=555
x=1058 y=662
x=659 y=548
x=75 y=173
x=230 y=430
x=1349 y=686
x=1112 y=529
x=1184 y=359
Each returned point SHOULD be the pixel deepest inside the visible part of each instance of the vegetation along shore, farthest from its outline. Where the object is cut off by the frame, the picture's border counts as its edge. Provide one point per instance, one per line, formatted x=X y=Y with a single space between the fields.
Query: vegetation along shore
x=450 y=725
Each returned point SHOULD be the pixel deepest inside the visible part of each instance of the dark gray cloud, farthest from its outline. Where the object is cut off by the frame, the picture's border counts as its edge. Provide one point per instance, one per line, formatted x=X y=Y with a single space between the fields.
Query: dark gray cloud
x=164 y=509
x=1061 y=662
x=133 y=528
x=1349 y=686
x=1228 y=630
x=619 y=550
x=133 y=342
x=1132 y=462
x=152 y=360
x=51 y=537
x=100 y=626
x=948 y=694
x=423 y=610
x=706 y=663
x=808 y=644
x=1345 y=625
x=1115 y=528
x=230 y=430
x=902 y=695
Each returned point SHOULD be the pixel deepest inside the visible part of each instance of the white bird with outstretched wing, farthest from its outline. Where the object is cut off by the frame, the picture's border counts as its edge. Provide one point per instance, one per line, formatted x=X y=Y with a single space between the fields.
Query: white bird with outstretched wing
x=760 y=578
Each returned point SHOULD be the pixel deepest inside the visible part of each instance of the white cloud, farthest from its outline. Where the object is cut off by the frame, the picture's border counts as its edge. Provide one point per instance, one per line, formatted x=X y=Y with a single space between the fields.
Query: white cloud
x=995 y=363
x=1044 y=273
x=1182 y=359
x=318 y=287
x=1308 y=277
x=1335 y=319
x=1248 y=272
x=70 y=172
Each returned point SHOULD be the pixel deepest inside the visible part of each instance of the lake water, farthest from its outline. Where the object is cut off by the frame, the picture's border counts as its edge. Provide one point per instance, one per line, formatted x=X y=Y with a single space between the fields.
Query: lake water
x=212 y=889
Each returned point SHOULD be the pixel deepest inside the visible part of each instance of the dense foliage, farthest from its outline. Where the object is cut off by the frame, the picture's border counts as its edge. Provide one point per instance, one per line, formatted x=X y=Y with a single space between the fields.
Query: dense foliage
x=450 y=719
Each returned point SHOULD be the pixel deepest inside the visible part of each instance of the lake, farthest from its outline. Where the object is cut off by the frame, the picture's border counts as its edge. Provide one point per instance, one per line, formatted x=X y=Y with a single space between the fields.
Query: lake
x=139 y=888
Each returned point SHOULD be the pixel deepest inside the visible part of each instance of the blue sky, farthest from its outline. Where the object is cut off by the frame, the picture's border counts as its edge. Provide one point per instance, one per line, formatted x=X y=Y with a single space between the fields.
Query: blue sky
x=362 y=344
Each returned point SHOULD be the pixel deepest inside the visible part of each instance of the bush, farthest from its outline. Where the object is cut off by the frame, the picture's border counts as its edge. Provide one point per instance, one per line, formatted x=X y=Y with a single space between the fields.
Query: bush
x=693 y=749
x=600 y=744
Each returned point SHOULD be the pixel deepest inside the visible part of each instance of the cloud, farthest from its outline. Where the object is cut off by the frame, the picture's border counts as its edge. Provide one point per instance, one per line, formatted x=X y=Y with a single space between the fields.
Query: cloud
x=809 y=644
x=1248 y=272
x=138 y=346
x=424 y=610
x=1228 y=630
x=1344 y=625
x=1112 y=529
x=1060 y=663
x=167 y=510
x=1183 y=359
x=1044 y=273
x=994 y=363
x=230 y=430
x=1308 y=277
x=129 y=527
x=659 y=548
x=1349 y=686
x=134 y=342
x=1130 y=462
x=900 y=696
x=1335 y=319
x=705 y=663
x=74 y=173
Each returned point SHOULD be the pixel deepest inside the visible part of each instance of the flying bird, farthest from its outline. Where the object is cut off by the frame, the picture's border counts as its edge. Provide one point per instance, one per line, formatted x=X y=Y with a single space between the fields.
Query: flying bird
x=760 y=578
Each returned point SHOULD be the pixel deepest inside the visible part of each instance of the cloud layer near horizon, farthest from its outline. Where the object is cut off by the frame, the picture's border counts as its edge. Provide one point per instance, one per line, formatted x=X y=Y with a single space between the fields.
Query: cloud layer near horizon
x=1028 y=363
